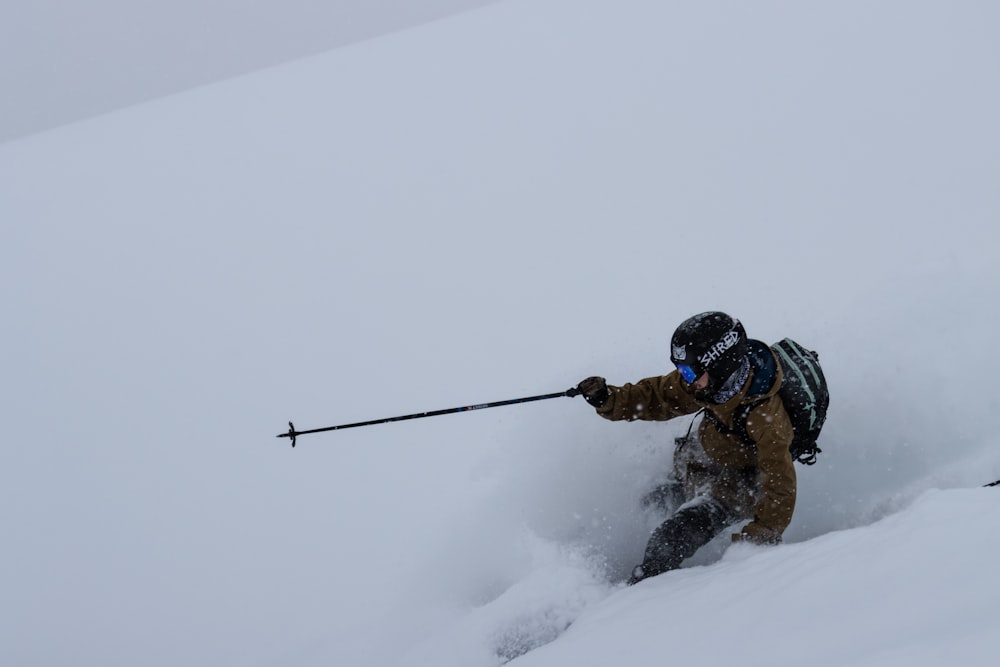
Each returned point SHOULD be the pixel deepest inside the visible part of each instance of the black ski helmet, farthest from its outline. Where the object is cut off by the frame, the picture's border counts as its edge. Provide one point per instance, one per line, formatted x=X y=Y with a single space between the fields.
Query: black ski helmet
x=712 y=342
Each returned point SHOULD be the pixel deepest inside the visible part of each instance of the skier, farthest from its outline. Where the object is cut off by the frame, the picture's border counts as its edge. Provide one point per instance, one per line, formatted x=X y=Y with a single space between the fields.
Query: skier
x=745 y=433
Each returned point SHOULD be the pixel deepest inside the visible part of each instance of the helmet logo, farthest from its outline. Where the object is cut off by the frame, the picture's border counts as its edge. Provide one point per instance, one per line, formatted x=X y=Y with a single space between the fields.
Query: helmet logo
x=716 y=351
x=679 y=352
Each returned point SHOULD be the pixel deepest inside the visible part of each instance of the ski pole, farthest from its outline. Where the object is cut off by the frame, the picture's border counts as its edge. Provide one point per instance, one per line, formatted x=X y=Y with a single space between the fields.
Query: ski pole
x=293 y=434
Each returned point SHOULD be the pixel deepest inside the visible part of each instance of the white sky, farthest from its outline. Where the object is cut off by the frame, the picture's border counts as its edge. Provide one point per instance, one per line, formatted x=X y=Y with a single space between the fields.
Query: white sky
x=64 y=60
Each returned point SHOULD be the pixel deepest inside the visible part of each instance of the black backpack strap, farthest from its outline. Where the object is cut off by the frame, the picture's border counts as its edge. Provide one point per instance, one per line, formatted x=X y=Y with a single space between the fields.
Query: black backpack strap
x=739 y=428
x=805 y=452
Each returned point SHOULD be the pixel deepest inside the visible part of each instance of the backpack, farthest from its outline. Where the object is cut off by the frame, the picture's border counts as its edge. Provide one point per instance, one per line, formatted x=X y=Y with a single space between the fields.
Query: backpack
x=804 y=394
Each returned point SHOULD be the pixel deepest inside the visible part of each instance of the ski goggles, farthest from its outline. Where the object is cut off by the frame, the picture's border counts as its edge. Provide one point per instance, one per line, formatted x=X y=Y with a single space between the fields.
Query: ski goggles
x=687 y=373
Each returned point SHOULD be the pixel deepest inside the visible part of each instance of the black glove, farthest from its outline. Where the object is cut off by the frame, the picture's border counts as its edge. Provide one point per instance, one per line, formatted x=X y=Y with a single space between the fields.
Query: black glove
x=595 y=391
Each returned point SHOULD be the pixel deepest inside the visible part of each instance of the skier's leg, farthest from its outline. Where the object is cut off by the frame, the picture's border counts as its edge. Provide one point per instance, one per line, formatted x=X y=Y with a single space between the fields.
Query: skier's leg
x=680 y=536
x=666 y=497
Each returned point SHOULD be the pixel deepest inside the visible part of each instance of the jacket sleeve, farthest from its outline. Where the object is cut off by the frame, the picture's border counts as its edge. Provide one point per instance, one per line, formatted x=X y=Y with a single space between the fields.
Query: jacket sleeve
x=770 y=428
x=652 y=399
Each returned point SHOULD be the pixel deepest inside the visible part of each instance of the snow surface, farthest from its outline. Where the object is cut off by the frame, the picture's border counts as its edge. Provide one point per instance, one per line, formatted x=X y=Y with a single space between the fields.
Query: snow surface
x=493 y=206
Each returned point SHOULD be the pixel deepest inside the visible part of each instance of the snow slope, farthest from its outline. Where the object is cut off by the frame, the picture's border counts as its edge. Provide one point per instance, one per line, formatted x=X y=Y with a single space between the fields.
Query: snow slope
x=493 y=206
x=912 y=589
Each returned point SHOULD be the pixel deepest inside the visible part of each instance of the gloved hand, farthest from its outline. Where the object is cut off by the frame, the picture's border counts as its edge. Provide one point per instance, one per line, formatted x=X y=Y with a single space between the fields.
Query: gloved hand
x=757 y=533
x=595 y=391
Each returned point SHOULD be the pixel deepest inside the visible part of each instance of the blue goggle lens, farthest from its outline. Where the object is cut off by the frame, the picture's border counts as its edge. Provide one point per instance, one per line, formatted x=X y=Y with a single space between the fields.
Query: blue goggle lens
x=687 y=372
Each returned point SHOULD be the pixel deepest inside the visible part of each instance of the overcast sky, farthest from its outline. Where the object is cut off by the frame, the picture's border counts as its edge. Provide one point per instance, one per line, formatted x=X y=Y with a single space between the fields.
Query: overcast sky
x=64 y=60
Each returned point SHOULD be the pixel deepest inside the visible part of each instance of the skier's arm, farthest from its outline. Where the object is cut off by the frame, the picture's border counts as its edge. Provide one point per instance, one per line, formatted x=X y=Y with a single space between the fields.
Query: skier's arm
x=653 y=399
x=770 y=428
